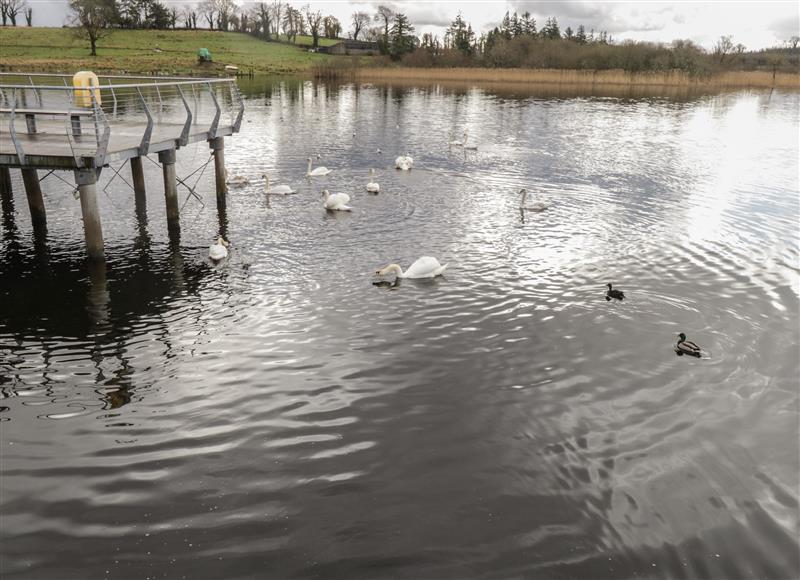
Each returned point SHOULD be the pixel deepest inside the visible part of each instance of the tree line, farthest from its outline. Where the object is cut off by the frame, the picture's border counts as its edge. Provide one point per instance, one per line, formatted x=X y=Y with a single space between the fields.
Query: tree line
x=11 y=9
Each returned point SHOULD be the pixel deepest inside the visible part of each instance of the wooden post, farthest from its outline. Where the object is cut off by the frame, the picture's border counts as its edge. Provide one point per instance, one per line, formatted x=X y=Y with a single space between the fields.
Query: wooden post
x=92 y=228
x=35 y=201
x=137 y=172
x=6 y=191
x=167 y=159
x=217 y=145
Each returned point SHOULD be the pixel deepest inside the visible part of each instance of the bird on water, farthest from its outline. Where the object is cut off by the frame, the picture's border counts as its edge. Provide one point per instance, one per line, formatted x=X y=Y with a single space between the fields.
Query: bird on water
x=618 y=294
x=684 y=346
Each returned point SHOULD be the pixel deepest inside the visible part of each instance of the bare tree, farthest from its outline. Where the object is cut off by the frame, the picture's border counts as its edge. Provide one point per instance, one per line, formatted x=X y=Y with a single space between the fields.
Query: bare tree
x=262 y=13
x=208 y=10
x=360 y=22
x=225 y=11
x=331 y=26
x=293 y=23
x=793 y=42
x=314 y=19
x=385 y=15
x=92 y=19
x=29 y=16
x=173 y=16
x=277 y=15
x=11 y=8
x=189 y=15
x=723 y=47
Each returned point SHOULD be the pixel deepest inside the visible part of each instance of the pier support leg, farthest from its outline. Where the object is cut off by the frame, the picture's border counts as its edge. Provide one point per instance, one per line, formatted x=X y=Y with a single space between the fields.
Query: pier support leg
x=137 y=172
x=167 y=159
x=217 y=145
x=92 y=229
x=35 y=201
x=6 y=193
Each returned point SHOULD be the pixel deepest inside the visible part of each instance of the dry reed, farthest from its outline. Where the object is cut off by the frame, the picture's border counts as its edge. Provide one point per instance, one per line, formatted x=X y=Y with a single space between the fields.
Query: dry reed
x=755 y=79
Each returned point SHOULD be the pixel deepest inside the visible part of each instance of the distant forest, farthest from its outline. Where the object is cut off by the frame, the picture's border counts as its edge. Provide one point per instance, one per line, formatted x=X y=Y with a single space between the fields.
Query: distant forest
x=518 y=42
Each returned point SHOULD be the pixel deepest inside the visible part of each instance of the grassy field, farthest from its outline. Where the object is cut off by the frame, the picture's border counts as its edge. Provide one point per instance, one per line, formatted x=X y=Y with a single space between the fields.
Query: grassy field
x=134 y=51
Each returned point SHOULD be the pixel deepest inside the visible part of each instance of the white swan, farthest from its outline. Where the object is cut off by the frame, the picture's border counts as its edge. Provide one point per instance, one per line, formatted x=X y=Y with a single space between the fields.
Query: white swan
x=470 y=146
x=424 y=267
x=218 y=251
x=535 y=206
x=404 y=162
x=318 y=171
x=236 y=180
x=278 y=189
x=373 y=186
x=336 y=201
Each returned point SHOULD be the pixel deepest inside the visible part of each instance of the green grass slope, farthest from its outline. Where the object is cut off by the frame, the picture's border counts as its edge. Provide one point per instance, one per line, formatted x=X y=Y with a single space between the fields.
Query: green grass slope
x=148 y=51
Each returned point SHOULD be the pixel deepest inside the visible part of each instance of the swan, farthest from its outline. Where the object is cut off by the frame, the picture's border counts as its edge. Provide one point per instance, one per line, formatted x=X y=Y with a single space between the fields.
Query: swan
x=336 y=201
x=318 y=172
x=404 y=162
x=236 y=180
x=278 y=189
x=470 y=146
x=218 y=251
x=373 y=186
x=459 y=143
x=424 y=267
x=535 y=206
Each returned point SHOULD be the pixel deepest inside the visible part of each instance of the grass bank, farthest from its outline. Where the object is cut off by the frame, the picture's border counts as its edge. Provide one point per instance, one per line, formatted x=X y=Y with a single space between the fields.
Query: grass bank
x=600 y=78
x=149 y=51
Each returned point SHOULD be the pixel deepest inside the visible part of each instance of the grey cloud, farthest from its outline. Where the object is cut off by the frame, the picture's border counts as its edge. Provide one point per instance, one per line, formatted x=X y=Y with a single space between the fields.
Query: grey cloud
x=784 y=28
x=419 y=14
x=593 y=15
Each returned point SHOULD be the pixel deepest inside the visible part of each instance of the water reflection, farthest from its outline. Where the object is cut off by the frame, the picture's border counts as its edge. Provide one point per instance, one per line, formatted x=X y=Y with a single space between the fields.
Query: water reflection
x=281 y=411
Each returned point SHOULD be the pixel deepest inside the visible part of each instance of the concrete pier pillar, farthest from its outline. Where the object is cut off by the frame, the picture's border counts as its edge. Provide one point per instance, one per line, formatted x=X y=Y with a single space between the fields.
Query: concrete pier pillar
x=140 y=193
x=35 y=200
x=6 y=191
x=92 y=229
x=217 y=145
x=167 y=159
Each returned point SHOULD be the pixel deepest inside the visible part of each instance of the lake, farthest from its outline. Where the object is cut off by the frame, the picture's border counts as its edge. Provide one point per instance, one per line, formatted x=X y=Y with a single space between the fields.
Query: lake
x=279 y=415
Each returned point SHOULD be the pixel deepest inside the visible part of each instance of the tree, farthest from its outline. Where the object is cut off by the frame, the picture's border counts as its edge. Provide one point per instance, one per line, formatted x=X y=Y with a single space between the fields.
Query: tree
x=225 y=11
x=208 y=9
x=331 y=26
x=402 y=41
x=580 y=36
x=29 y=16
x=385 y=15
x=314 y=19
x=793 y=42
x=723 y=46
x=459 y=36
x=360 y=21
x=158 y=16
x=263 y=14
x=189 y=14
x=92 y=19
x=10 y=9
x=528 y=24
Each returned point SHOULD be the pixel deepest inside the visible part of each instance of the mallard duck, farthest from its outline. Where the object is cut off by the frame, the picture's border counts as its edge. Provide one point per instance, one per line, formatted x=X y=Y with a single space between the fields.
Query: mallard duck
x=618 y=294
x=684 y=346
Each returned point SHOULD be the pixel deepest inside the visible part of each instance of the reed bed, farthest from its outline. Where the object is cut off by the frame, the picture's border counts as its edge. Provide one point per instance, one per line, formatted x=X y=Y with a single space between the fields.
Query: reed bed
x=755 y=79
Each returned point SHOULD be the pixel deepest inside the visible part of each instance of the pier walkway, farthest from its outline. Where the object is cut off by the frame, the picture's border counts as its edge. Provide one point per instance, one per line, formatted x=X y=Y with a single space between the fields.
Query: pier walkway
x=47 y=124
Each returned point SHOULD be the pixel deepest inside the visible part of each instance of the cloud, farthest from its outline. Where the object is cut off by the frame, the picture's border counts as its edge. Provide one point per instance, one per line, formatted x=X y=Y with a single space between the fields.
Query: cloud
x=786 y=27
x=420 y=14
x=611 y=17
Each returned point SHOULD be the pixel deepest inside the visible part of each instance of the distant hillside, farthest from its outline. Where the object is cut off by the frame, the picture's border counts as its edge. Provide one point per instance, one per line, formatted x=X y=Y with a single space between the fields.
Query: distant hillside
x=149 y=51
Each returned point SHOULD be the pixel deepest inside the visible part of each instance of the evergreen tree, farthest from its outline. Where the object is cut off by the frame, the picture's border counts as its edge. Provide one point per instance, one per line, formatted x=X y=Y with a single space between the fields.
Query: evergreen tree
x=401 y=38
x=528 y=24
x=580 y=36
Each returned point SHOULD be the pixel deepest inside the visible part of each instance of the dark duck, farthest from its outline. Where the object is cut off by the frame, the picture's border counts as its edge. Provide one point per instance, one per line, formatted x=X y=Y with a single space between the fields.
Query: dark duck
x=618 y=294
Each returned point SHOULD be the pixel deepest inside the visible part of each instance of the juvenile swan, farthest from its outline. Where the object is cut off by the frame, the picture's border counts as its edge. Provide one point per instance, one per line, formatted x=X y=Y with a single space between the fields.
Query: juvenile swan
x=373 y=186
x=236 y=180
x=278 y=189
x=218 y=251
x=534 y=206
x=465 y=145
x=424 y=267
x=404 y=162
x=318 y=171
x=336 y=201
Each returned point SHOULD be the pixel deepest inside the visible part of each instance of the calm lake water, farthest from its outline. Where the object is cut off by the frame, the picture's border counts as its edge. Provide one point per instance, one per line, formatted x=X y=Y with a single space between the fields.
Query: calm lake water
x=279 y=416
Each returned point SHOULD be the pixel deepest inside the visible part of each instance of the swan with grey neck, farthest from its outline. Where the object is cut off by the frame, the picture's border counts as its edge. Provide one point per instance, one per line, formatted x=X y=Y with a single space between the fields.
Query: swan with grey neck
x=532 y=206
x=276 y=190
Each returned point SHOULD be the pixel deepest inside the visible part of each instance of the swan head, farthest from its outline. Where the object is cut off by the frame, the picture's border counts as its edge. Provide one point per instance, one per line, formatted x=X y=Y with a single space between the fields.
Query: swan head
x=325 y=193
x=221 y=242
x=391 y=268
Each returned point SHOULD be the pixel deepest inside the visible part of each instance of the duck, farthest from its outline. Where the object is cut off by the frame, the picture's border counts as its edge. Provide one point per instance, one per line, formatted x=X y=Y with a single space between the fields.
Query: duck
x=336 y=201
x=218 y=251
x=611 y=293
x=533 y=206
x=236 y=180
x=404 y=162
x=373 y=186
x=424 y=267
x=318 y=171
x=278 y=189
x=684 y=346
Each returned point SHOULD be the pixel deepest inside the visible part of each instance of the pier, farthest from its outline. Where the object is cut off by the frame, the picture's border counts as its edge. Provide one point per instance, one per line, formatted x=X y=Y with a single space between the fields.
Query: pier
x=48 y=125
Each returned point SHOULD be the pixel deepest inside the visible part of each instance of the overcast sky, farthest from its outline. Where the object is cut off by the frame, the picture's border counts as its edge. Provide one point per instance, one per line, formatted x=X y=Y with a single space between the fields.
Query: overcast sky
x=757 y=24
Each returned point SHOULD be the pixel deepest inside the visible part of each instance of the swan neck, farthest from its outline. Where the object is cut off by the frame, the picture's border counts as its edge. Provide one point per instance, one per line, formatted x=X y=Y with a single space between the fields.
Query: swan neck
x=396 y=269
x=266 y=184
x=309 y=166
x=524 y=197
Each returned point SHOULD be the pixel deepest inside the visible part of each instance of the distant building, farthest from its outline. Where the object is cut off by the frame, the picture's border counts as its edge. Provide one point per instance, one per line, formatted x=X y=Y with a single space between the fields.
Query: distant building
x=351 y=47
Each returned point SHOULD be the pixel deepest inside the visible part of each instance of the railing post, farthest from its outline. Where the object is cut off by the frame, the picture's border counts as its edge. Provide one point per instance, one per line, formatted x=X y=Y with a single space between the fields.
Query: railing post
x=92 y=228
x=167 y=159
x=35 y=201
x=217 y=145
x=6 y=192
